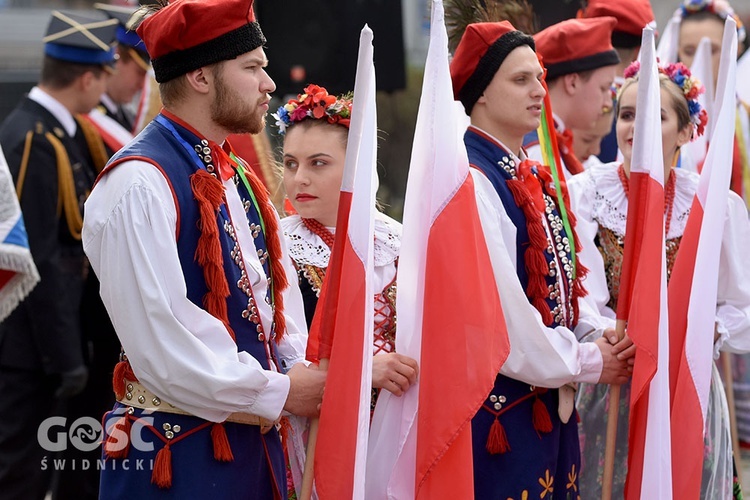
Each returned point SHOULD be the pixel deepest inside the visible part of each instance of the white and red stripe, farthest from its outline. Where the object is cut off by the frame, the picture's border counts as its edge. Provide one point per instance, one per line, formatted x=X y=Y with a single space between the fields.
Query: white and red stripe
x=115 y=136
x=449 y=314
x=346 y=305
x=643 y=295
x=694 y=285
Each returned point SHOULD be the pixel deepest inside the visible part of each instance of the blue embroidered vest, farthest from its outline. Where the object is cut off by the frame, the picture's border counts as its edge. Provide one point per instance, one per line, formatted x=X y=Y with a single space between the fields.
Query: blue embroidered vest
x=157 y=143
x=534 y=464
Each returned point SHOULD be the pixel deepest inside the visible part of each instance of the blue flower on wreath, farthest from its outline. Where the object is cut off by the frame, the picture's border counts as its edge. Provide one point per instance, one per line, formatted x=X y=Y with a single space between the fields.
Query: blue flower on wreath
x=282 y=119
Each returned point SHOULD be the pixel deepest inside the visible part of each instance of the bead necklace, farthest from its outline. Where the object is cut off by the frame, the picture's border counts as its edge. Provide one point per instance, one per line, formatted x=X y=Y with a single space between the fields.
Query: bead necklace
x=669 y=192
x=319 y=229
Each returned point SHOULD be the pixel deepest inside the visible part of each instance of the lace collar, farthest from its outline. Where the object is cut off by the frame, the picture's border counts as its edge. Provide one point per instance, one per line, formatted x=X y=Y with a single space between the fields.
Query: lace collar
x=610 y=204
x=306 y=247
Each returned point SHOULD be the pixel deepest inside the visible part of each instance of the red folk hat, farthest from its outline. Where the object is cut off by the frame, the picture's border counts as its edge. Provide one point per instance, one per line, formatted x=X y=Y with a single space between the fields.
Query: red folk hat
x=188 y=34
x=576 y=45
x=632 y=16
x=481 y=51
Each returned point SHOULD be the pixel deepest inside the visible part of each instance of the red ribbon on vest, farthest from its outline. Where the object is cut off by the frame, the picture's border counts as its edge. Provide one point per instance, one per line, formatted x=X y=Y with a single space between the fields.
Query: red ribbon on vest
x=565 y=143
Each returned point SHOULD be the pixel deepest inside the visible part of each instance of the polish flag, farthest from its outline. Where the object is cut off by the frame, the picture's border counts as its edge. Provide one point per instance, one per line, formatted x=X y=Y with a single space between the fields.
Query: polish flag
x=449 y=314
x=344 y=321
x=643 y=295
x=694 y=284
x=18 y=274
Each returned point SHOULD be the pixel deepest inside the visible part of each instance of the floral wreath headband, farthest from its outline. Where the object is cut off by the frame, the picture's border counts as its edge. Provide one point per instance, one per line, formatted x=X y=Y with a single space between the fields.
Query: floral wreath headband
x=718 y=7
x=315 y=103
x=691 y=88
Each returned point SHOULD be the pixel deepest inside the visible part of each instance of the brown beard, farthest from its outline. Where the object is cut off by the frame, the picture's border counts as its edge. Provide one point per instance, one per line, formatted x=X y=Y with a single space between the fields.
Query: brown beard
x=230 y=111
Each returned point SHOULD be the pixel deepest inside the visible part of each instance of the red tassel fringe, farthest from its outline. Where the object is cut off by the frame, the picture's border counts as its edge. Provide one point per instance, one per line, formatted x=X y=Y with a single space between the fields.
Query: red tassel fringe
x=535 y=261
x=581 y=270
x=273 y=244
x=209 y=193
x=114 y=447
x=497 y=441
x=162 y=473
x=222 y=450
x=122 y=372
x=540 y=416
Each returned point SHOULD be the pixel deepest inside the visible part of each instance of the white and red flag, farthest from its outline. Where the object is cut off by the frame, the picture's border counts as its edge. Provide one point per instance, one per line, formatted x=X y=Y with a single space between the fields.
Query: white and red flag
x=693 y=286
x=114 y=135
x=344 y=322
x=18 y=273
x=449 y=314
x=643 y=295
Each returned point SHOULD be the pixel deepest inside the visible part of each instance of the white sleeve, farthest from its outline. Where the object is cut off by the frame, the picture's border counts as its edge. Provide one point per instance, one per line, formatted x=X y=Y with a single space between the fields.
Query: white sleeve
x=594 y=313
x=733 y=295
x=293 y=345
x=538 y=355
x=178 y=350
x=534 y=152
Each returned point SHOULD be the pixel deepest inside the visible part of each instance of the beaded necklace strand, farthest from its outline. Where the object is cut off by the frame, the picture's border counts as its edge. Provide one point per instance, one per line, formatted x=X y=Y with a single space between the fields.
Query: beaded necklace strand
x=669 y=192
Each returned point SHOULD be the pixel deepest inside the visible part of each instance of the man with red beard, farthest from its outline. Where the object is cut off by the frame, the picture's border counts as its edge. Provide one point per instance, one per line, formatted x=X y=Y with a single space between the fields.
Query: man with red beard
x=195 y=276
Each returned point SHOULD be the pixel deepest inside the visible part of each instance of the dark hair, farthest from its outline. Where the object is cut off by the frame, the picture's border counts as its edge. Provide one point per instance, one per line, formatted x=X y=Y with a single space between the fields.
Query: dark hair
x=702 y=16
x=308 y=123
x=57 y=74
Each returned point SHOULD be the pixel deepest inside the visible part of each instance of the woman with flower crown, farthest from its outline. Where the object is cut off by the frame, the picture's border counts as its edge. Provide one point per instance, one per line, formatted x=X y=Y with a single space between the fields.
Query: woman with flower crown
x=599 y=199
x=315 y=127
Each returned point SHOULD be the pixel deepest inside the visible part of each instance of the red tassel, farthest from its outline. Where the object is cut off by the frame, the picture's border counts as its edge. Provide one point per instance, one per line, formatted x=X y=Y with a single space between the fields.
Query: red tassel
x=273 y=245
x=540 y=416
x=222 y=450
x=208 y=191
x=162 y=473
x=114 y=447
x=497 y=441
x=535 y=262
x=123 y=371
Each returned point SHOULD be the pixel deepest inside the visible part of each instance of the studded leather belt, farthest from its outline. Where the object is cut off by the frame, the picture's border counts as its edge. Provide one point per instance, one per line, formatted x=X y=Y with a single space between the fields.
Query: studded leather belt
x=138 y=396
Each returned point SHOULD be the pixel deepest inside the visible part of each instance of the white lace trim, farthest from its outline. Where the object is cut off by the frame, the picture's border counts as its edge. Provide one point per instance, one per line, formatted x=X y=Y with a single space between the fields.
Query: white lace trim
x=307 y=248
x=610 y=204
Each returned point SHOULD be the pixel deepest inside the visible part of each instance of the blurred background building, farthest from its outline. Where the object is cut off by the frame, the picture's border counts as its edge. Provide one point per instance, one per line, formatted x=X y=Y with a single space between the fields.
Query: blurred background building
x=307 y=42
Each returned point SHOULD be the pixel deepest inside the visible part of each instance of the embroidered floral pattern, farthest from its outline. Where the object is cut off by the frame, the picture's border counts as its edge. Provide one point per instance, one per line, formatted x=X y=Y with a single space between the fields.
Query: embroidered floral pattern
x=547 y=484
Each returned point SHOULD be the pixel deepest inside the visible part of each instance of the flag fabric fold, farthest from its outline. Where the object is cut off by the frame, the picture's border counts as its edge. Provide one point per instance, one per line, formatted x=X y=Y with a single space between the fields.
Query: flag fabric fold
x=344 y=319
x=18 y=274
x=114 y=135
x=643 y=294
x=693 y=286
x=694 y=153
x=449 y=314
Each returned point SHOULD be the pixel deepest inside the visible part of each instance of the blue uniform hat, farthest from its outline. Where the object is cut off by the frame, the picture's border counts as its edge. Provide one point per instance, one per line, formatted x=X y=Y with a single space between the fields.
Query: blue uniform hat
x=125 y=36
x=80 y=39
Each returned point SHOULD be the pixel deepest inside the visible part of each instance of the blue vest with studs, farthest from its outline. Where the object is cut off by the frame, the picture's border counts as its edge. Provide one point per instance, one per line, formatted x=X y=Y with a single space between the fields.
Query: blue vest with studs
x=158 y=143
x=258 y=458
x=535 y=464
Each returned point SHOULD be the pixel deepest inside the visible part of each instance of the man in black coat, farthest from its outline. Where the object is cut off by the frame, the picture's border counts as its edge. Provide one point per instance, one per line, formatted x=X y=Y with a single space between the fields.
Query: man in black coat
x=52 y=161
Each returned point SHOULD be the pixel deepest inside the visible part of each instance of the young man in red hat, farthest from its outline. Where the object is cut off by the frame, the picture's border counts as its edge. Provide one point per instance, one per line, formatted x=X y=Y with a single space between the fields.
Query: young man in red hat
x=580 y=63
x=525 y=436
x=632 y=16
x=195 y=276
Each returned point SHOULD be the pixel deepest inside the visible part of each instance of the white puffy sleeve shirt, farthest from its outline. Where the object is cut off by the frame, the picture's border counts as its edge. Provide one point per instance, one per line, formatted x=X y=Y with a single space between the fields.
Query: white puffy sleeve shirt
x=598 y=198
x=538 y=355
x=177 y=349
